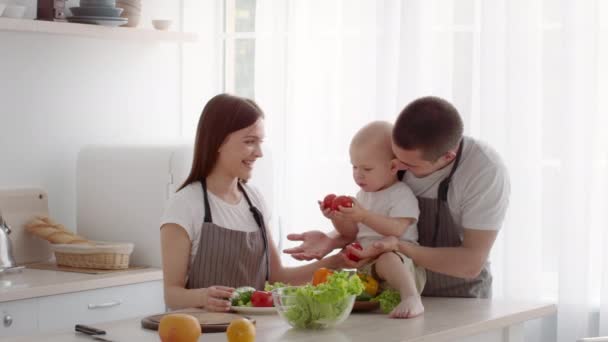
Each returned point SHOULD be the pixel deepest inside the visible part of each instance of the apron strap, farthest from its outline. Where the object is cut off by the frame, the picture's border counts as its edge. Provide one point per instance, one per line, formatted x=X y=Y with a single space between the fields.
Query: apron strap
x=259 y=219
x=208 y=218
x=442 y=192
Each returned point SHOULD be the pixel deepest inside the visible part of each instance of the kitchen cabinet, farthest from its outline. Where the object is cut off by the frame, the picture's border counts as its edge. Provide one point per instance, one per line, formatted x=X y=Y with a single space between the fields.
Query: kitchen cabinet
x=18 y=317
x=88 y=307
x=40 y=301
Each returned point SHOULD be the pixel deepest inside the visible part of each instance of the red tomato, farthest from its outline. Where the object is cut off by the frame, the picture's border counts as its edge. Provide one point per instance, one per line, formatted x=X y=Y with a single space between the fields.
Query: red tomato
x=327 y=201
x=350 y=255
x=261 y=299
x=343 y=201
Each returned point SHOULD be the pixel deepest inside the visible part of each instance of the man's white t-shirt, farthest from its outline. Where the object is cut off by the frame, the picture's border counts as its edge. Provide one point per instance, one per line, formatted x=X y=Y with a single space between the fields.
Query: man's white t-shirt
x=397 y=200
x=478 y=195
x=187 y=209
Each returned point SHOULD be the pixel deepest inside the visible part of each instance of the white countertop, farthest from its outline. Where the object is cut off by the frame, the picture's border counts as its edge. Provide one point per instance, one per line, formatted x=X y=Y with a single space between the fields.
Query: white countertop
x=445 y=319
x=30 y=283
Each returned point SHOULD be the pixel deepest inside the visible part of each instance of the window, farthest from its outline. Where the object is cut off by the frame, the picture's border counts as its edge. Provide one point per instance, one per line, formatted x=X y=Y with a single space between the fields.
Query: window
x=239 y=47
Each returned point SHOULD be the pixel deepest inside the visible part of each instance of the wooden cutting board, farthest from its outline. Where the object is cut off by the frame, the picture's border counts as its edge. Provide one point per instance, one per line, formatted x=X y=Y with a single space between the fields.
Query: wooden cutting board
x=210 y=321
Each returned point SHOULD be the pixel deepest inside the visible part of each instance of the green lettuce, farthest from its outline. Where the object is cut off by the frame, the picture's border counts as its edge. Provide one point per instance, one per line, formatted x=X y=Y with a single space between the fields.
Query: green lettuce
x=276 y=285
x=315 y=307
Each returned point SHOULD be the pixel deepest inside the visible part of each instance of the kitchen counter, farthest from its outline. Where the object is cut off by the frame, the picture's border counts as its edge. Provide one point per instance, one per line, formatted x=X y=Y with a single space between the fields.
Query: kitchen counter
x=445 y=319
x=31 y=283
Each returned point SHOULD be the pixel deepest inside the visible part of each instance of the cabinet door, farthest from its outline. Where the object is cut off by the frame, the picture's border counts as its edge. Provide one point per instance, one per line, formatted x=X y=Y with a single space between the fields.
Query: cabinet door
x=19 y=317
x=62 y=312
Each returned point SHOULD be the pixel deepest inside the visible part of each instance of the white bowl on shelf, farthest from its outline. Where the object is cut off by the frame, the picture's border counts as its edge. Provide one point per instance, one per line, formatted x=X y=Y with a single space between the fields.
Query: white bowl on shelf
x=161 y=24
x=14 y=11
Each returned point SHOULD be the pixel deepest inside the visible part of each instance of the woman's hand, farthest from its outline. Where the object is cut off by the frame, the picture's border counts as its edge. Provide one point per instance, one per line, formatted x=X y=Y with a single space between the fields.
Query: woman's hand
x=217 y=298
x=315 y=245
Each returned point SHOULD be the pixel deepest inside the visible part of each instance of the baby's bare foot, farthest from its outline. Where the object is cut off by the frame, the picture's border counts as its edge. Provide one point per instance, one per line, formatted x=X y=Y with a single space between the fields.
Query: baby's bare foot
x=408 y=308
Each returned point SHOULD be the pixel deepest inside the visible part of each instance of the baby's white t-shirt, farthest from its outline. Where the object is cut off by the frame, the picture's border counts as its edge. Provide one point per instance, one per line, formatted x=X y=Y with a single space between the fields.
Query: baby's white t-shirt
x=478 y=195
x=186 y=208
x=397 y=200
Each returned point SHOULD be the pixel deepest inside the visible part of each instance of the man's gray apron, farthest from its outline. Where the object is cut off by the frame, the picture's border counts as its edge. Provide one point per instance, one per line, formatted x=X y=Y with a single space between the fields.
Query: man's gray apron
x=436 y=228
x=230 y=257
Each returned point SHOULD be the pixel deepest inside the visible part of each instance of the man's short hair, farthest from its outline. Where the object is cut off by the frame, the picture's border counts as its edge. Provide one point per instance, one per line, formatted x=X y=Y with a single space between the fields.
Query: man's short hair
x=430 y=124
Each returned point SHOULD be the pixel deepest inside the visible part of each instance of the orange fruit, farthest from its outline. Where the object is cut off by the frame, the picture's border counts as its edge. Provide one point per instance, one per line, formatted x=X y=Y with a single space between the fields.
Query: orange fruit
x=320 y=275
x=179 y=327
x=241 y=330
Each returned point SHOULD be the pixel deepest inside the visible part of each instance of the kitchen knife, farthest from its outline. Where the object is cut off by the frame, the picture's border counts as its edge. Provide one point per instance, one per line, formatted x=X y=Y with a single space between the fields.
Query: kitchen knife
x=92 y=332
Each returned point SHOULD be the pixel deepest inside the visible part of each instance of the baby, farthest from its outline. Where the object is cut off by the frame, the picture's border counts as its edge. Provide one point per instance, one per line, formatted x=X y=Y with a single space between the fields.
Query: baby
x=383 y=207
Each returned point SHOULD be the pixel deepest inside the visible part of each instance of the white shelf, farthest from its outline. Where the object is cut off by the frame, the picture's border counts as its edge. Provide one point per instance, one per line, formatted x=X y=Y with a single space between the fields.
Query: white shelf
x=94 y=31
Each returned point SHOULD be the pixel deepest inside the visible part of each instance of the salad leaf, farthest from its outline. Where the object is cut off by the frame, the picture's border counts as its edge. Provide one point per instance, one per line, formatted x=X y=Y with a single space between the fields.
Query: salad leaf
x=276 y=285
x=388 y=299
x=316 y=306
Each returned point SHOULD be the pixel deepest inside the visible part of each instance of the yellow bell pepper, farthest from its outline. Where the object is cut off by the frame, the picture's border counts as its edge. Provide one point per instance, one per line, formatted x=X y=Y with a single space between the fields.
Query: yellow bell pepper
x=370 y=284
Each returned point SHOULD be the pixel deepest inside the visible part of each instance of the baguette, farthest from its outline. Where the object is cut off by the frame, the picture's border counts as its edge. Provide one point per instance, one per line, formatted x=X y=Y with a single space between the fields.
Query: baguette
x=45 y=228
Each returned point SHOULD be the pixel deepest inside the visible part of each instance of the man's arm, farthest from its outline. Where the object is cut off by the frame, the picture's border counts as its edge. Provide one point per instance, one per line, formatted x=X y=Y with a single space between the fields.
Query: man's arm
x=465 y=261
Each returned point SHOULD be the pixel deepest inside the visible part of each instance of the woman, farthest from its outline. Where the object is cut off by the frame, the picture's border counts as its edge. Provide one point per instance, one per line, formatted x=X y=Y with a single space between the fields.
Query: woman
x=214 y=233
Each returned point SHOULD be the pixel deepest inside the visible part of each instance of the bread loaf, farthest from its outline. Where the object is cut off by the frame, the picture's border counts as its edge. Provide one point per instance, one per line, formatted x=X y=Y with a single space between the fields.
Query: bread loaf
x=45 y=228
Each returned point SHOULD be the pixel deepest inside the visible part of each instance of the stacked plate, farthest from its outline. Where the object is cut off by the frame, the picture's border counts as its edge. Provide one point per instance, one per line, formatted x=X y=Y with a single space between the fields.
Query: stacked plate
x=98 y=12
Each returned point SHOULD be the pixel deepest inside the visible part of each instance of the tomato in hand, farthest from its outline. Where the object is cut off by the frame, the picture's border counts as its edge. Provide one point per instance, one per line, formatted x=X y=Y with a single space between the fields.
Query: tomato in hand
x=350 y=255
x=261 y=299
x=342 y=201
x=328 y=200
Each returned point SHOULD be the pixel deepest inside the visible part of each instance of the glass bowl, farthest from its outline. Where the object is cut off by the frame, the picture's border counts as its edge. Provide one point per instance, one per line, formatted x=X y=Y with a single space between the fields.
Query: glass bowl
x=304 y=310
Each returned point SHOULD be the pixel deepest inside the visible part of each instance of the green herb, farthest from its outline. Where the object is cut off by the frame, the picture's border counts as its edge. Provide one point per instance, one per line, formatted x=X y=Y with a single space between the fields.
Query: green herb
x=242 y=296
x=389 y=299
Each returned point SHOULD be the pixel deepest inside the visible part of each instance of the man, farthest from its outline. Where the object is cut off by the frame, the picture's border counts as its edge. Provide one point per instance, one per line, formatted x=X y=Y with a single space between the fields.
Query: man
x=463 y=191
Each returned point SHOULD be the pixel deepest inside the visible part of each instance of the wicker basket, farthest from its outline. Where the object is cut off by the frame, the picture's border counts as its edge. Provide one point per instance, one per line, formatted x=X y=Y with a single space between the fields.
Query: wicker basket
x=103 y=255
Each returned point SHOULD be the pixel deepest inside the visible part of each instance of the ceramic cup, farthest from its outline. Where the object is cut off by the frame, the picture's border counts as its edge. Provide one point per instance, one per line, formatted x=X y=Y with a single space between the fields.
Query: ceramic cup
x=161 y=24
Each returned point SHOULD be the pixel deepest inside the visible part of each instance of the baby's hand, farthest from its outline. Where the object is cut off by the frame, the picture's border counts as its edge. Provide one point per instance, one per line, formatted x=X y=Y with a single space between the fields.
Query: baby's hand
x=327 y=212
x=355 y=213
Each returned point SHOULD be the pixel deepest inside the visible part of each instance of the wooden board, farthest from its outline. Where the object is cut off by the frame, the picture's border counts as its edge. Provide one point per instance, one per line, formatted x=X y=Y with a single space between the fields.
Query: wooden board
x=365 y=306
x=18 y=207
x=55 y=267
x=210 y=321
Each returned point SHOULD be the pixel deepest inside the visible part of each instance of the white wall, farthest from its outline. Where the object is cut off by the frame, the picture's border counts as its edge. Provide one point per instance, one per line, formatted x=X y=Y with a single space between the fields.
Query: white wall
x=58 y=93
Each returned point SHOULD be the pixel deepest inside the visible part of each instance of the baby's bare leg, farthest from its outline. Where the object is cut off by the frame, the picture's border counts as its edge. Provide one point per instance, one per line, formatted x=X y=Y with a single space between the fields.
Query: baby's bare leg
x=390 y=268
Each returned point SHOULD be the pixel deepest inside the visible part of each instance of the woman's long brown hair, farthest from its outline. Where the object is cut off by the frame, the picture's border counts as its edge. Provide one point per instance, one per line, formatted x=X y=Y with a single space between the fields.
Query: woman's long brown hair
x=222 y=115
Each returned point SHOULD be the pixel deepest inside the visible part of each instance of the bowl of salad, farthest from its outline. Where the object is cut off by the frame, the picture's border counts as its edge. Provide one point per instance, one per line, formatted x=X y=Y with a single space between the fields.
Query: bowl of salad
x=318 y=306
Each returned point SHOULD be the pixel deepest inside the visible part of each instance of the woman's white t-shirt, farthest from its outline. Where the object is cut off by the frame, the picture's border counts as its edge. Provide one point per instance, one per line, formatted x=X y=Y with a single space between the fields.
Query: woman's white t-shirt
x=186 y=208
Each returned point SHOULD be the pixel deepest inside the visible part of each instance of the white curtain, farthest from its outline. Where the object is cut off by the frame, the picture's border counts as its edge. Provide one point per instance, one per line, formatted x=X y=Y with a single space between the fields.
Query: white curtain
x=530 y=77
